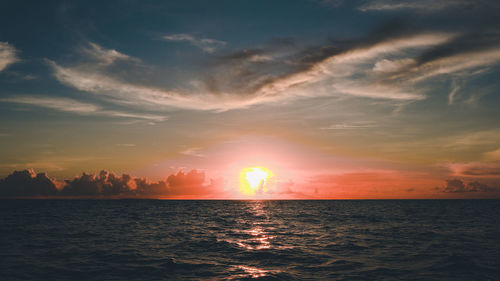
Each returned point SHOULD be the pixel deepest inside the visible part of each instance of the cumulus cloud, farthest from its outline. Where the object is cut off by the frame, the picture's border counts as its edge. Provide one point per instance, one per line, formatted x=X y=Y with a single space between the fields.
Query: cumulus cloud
x=27 y=183
x=7 y=55
x=106 y=184
x=95 y=185
x=208 y=45
x=189 y=183
x=458 y=186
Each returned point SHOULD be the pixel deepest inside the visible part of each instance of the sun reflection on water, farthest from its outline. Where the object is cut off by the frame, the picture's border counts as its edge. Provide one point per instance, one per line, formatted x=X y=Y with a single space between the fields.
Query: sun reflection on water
x=251 y=272
x=259 y=237
x=253 y=234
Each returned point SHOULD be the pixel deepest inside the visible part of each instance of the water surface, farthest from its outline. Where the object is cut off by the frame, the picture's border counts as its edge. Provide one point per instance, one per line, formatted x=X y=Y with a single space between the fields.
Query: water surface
x=238 y=240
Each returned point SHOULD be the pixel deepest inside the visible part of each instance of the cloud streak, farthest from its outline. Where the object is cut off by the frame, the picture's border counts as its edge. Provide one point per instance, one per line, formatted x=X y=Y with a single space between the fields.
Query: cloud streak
x=387 y=65
x=426 y=5
x=105 y=56
x=77 y=107
x=7 y=55
x=208 y=45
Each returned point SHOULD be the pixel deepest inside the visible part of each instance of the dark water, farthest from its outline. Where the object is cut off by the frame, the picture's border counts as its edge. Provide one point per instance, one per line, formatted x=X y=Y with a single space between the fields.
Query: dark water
x=269 y=240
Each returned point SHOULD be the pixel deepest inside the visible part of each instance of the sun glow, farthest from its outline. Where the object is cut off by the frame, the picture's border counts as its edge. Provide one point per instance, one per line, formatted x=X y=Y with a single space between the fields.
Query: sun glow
x=253 y=180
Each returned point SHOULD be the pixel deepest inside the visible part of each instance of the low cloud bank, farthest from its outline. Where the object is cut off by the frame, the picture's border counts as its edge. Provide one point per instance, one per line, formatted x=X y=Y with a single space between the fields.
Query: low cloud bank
x=458 y=186
x=27 y=183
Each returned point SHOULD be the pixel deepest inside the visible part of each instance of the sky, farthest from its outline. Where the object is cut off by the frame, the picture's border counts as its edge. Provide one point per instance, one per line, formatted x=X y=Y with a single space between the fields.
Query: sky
x=176 y=99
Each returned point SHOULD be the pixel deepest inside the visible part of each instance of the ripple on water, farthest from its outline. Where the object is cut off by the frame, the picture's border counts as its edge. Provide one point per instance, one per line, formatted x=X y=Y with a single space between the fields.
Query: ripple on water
x=240 y=240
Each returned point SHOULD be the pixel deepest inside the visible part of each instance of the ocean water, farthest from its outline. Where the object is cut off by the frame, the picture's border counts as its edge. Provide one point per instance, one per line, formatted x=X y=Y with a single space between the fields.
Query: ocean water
x=244 y=240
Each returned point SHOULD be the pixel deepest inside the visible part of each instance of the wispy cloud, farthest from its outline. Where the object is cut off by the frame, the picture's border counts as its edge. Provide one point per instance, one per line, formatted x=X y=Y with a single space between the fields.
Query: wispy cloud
x=428 y=5
x=7 y=55
x=454 y=92
x=208 y=45
x=351 y=126
x=77 y=107
x=346 y=72
x=126 y=144
x=471 y=139
x=492 y=155
x=194 y=151
x=388 y=69
x=474 y=169
x=105 y=56
x=97 y=81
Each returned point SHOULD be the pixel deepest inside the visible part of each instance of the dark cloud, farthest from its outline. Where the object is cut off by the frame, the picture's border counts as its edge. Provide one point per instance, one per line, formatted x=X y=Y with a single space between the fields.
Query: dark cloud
x=247 y=71
x=105 y=184
x=241 y=55
x=27 y=183
x=258 y=73
x=312 y=55
x=458 y=186
x=481 y=171
x=468 y=42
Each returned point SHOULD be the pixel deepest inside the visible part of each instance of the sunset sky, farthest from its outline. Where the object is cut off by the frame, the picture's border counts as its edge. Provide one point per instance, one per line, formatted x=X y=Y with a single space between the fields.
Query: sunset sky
x=334 y=99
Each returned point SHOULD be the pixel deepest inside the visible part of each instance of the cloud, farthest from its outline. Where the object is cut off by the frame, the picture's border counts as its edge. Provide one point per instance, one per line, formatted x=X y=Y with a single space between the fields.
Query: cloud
x=193 y=151
x=345 y=72
x=7 y=55
x=454 y=92
x=386 y=65
x=206 y=44
x=475 y=169
x=389 y=64
x=492 y=155
x=251 y=55
x=27 y=183
x=126 y=144
x=77 y=107
x=471 y=139
x=191 y=183
x=427 y=5
x=458 y=186
x=105 y=184
x=97 y=81
x=105 y=56
x=351 y=126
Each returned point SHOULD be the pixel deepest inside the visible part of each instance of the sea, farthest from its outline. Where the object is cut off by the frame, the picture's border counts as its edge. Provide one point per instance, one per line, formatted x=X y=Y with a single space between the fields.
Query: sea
x=246 y=240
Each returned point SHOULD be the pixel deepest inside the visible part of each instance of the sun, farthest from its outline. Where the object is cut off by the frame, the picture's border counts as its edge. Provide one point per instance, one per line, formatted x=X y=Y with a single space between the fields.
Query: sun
x=253 y=180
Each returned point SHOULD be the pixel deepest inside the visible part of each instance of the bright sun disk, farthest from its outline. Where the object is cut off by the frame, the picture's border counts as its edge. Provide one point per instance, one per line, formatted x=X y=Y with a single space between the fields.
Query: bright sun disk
x=254 y=179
